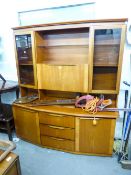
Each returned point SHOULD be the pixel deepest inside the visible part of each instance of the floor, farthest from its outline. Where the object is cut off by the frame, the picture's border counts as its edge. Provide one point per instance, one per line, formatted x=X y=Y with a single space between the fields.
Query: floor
x=35 y=160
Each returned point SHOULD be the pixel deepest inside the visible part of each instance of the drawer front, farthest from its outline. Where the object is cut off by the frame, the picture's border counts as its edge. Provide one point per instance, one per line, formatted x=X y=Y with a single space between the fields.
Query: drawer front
x=57 y=120
x=57 y=131
x=57 y=143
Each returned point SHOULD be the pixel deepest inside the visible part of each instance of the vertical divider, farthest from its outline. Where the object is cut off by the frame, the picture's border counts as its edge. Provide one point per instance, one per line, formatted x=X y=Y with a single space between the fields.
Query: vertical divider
x=77 y=129
x=91 y=53
x=123 y=35
x=34 y=57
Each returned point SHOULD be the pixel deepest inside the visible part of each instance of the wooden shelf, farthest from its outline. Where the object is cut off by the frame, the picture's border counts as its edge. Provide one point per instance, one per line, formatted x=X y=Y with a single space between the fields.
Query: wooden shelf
x=25 y=64
x=106 y=44
x=96 y=44
x=105 y=65
x=27 y=85
x=47 y=46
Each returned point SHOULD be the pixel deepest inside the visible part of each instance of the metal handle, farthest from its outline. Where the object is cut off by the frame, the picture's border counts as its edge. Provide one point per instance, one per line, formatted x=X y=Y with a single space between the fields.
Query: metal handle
x=61 y=65
x=57 y=139
x=90 y=118
x=55 y=127
x=27 y=110
x=56 y=115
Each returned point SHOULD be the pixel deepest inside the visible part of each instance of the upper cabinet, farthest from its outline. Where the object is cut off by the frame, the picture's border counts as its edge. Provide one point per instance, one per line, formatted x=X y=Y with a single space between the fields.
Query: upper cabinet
x=106 y=58
x=25 y=58
x=62 y=59
x=84 y=56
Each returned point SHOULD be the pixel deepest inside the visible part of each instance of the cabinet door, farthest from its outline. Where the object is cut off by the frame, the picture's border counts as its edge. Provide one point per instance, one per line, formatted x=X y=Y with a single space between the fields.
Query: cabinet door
x=96 y=139
x=25 y=58
x=27 y=124
x=106 y=61
x=57 y=76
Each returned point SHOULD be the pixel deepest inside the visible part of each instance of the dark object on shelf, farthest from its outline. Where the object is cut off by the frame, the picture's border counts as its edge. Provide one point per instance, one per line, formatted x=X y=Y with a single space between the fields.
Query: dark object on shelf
x=26 y=99
x=26 y=73
x=53 y=102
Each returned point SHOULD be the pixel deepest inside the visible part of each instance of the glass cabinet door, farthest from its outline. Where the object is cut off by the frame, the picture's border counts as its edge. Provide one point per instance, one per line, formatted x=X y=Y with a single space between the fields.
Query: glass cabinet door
x=24 y=49
x=25 y=59
x=106 y=58
x=106 y=47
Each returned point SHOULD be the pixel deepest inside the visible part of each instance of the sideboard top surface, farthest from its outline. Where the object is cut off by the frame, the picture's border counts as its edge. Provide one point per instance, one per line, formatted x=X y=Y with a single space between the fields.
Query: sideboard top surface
x=67 y=110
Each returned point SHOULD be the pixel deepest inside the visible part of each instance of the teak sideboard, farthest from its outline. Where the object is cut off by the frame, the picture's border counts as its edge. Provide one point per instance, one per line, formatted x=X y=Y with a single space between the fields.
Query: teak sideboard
x=60 y=61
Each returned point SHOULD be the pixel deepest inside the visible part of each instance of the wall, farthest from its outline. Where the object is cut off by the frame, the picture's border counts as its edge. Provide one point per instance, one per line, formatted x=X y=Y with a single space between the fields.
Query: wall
x=8 y=18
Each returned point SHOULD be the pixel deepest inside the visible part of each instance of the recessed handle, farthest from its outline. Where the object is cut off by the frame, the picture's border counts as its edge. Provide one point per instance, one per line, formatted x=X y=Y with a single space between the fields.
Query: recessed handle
x=57 y=139
x=55 y=127
x=61 y=65
x=56 y=115
x=89 y=118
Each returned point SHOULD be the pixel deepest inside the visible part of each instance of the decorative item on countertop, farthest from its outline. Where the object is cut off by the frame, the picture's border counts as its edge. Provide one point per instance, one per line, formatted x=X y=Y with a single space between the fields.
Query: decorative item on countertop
x=53 y=102
x=26 y=99
x=92 y=104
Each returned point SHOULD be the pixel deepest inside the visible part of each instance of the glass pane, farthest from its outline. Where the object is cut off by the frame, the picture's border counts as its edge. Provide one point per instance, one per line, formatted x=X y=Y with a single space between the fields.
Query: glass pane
x=104 y=78
x=24 y=49
x=26 y=74
x=106 y=48
x=106 y=56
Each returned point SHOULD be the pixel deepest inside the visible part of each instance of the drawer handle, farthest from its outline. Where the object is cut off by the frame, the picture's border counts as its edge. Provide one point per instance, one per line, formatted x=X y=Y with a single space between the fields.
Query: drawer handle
x=89 y=118
x=57 y=139
x=28 y=110
x=61 y=65
x=56 y=115
x=56 y=127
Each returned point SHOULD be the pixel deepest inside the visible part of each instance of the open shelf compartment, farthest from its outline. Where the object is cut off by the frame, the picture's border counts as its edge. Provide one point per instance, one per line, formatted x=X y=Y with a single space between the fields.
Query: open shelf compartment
x=63 y=46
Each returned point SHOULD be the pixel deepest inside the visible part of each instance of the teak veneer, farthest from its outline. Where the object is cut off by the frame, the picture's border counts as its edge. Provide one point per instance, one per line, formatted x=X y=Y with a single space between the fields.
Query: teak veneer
x=63 y=60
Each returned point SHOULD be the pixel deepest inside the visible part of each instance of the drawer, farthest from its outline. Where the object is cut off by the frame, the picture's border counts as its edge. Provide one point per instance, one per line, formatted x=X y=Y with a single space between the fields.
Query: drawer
x=57 y=131
x=57 y=120
x=57 y=143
